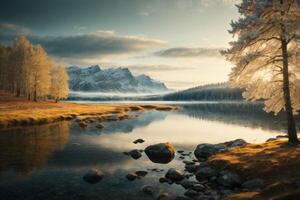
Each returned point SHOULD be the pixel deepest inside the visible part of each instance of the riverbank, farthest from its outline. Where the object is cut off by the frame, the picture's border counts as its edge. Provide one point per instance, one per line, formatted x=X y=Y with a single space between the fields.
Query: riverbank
x=20 y=112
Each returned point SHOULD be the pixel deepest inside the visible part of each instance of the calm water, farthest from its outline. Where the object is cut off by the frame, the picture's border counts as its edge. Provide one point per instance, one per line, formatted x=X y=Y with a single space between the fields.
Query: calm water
x=49 y=161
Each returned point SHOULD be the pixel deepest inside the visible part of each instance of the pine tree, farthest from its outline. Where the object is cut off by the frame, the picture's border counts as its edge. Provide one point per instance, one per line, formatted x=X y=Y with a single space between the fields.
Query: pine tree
x=59 y=85
x=266 y=55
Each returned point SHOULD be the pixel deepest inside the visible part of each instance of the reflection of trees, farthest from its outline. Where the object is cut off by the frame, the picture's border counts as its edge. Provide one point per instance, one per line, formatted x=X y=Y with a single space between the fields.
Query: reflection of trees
x=246 y=114
x=24 y=149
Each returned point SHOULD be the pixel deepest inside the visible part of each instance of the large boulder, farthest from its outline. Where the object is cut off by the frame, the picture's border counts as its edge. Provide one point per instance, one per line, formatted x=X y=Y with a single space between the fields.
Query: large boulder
x=174 y=175
x=160 y=153
x=229 y=179
x=204 y=151
x=93 y=176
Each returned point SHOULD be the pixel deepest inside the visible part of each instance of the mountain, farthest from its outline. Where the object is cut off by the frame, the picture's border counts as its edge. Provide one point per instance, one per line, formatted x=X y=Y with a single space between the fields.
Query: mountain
x=95 y=79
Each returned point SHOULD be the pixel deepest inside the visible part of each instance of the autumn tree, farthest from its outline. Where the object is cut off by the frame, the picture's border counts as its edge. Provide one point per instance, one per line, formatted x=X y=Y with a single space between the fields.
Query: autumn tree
x=59 y=83
x=266 y=54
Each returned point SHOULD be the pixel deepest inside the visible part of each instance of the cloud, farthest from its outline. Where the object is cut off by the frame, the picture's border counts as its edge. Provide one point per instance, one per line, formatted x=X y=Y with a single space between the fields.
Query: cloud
x=183 y=52
x=155 y=68
x=13 y=29
x=90 y=45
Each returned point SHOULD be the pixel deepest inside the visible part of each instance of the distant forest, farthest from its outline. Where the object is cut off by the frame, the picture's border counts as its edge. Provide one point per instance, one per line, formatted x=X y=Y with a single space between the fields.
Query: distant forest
x=219 y=91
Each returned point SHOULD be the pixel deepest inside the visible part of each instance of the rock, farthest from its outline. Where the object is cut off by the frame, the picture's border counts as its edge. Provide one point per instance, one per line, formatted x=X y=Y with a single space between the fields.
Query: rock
x=187 y=184
x=204 y=151
x=254 y=184
x=181 y=157
x=163 y=196
x=163 y=180
x=148 y=190
x=141 y=173
x=229 y=179
x=188 y=162
x=181 y=198
x=135 y=154
x=191 y=193
x=174 y=175
x=198 y=187
x=126 y=153
x=192 y=168
x=99 y=126
x=235 y=143
x=180 y=151
x=204 y=173
x=82 y=124
x=160 y=153
x=93 y=176
x=138 y=141
x=131 y=176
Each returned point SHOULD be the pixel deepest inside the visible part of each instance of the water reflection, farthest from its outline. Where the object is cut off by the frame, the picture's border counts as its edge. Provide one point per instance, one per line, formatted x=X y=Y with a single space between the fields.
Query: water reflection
x=242 y=114
x=28 y=148
x=52 y=159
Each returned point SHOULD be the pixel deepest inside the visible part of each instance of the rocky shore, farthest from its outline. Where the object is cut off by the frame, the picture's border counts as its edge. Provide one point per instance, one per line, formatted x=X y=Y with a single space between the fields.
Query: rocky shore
x=233 y=170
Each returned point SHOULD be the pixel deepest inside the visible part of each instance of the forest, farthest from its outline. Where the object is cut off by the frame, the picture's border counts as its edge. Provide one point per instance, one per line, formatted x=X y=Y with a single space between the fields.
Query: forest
x=26 y=70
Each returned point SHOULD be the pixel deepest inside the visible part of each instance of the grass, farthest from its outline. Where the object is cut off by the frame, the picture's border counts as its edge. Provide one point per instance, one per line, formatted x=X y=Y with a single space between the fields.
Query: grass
x=274 y=161
x=19 y=111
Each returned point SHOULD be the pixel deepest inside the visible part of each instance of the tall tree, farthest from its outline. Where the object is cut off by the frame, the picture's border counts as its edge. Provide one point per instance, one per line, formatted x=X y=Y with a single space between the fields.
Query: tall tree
x=59 y=84
x=40 y=73
x=266 y=54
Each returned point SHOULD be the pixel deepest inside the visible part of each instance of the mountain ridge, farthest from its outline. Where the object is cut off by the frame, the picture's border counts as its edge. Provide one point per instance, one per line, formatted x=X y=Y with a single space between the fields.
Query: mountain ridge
x=95 y=79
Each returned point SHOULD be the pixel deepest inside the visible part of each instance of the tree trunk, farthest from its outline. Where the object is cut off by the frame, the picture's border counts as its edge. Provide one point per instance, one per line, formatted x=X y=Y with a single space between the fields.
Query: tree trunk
x=56 y=100
x=292 y=131
x=34 y=94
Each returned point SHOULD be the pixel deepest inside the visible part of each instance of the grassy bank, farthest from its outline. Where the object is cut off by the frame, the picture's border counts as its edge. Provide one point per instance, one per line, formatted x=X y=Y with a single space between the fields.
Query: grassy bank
x=19 y=111
x=274 y=161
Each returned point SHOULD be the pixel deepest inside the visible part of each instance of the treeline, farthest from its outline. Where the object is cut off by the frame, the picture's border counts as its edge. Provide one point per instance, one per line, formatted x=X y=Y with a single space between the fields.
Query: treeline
x=212 y=92
x=26 y=70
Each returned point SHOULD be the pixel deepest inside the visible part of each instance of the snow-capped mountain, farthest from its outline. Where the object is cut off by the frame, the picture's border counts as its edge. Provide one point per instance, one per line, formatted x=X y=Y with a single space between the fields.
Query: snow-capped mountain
x=95 y=79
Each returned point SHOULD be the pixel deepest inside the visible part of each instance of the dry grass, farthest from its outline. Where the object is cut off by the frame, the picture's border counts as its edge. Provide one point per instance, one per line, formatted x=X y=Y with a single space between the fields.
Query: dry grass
x=275 y=161
x=19 y=111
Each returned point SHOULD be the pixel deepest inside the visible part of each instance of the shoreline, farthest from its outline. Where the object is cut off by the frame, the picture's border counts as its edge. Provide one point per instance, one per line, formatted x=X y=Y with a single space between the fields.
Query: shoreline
x=21 y=112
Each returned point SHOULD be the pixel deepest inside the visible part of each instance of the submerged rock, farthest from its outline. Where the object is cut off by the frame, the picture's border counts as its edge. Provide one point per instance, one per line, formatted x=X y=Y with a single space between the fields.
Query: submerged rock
x=138 y=141
x=148 y=190
x=163 y=196
x=141 y=173
x=131 y=176
x=160 y=153
x=174 y=175
x=99 y=126
x=93 y=176
x=135 y=154
x=82 y=124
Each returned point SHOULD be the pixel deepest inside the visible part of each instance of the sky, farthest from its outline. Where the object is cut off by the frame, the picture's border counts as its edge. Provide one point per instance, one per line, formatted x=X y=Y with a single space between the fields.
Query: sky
x=174 y=41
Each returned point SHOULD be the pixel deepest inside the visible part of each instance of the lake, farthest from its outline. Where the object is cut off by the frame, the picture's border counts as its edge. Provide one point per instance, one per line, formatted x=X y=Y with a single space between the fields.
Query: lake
x=49 y=161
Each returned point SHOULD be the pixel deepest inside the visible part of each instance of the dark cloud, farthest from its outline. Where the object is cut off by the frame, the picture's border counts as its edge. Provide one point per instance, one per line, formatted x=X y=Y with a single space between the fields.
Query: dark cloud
x=100 y=43
x=189 y=52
